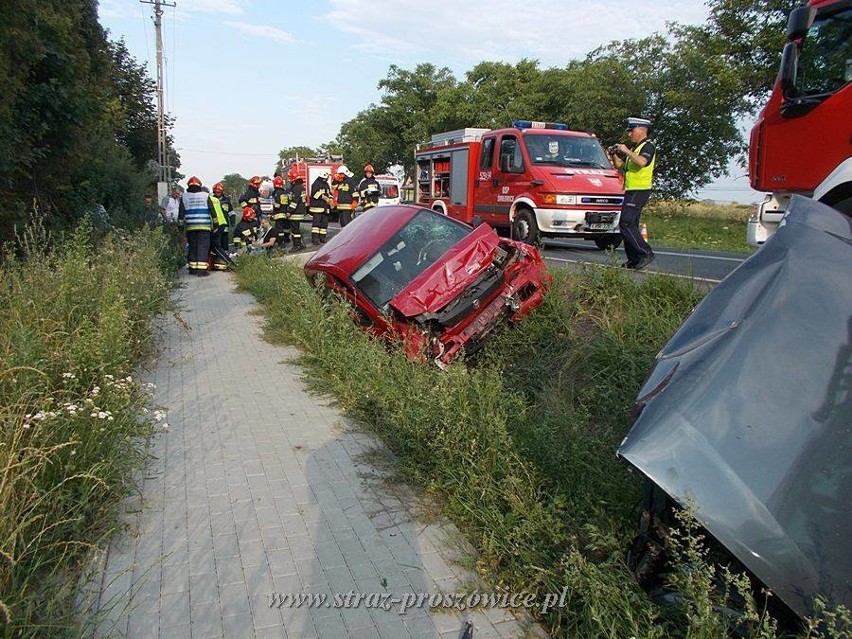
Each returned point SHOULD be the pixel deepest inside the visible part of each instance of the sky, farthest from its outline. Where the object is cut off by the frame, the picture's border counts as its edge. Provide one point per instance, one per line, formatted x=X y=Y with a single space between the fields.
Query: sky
x=246 y=78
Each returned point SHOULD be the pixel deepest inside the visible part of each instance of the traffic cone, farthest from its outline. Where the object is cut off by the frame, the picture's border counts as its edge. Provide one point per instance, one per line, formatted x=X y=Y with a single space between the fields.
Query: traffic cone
x=644 y=232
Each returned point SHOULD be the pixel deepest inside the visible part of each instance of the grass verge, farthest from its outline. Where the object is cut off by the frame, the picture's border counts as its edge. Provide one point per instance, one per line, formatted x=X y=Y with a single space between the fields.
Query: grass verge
x=693 y=225
x=74 y=320
x=519 y=449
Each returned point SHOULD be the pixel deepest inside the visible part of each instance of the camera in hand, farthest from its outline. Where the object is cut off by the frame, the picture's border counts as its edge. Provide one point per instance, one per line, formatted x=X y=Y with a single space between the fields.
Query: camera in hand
x=612 y=150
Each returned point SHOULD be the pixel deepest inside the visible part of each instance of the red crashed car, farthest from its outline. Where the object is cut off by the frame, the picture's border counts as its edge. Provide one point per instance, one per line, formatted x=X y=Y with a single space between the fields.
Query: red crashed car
x=438 y=285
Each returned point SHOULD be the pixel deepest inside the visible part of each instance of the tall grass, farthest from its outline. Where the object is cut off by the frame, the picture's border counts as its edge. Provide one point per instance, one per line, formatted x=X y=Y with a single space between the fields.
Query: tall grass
x=694 y=225
x=74 y=318
x=519 y=449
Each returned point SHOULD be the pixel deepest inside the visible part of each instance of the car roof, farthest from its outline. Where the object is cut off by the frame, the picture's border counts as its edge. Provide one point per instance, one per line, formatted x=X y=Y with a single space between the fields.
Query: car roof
x=350 y=248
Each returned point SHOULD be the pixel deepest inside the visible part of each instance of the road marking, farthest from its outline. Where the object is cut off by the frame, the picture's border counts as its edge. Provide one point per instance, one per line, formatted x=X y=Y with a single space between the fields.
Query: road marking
x=685 y=277
x=703 y=257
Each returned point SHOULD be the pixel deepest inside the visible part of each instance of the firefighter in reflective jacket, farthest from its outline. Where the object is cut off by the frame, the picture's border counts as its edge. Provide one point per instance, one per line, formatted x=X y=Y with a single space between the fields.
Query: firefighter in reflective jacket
x=319 y=207
x=227 y=206
x=347 y=194
x=280 y=202
x=244 y=231
x=369 y=189
x=219 y=240
x=252 y=198
x=296 y=207
x=197 y=214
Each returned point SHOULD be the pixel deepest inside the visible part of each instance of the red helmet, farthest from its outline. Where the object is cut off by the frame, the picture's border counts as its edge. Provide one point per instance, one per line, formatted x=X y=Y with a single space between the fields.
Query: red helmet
x=194 y=181
x=248 y=213
x=293 y=174
x=218 y=188
x=255 y=181
x=369 y=169
x=278 y=182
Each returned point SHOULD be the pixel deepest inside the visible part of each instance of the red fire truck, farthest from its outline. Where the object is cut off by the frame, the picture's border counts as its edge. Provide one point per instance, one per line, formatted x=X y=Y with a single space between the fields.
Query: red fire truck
x=536 y=179
x=802 y=141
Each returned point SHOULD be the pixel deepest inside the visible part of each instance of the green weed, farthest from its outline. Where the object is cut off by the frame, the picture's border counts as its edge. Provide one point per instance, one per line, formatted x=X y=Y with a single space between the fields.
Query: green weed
x=74 y=318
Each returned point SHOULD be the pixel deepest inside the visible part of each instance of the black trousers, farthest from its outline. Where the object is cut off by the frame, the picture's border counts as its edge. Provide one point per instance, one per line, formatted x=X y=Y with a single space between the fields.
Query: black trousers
x=345 y=215
x=319 y=229
x=634 y=245
x=199 y=249
x=296 y=231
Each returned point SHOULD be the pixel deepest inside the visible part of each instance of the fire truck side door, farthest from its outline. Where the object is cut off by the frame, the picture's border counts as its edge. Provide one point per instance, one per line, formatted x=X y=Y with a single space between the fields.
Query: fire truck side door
x=485 y=197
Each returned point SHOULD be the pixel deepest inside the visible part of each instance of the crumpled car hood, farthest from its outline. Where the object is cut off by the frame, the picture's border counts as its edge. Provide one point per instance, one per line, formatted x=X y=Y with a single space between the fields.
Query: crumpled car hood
x=748 y=410
x=439 y=284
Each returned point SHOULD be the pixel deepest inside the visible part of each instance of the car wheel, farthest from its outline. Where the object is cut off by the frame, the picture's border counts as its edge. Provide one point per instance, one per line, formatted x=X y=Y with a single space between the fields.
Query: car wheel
x=524 y=227
x=608 y=241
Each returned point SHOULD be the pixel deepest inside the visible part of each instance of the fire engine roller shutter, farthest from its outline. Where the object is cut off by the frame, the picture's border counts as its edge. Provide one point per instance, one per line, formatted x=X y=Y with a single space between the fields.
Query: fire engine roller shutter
x=458 y=176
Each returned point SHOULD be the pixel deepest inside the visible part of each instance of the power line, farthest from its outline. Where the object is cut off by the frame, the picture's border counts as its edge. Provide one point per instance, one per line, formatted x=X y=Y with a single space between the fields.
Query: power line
x=227 y=153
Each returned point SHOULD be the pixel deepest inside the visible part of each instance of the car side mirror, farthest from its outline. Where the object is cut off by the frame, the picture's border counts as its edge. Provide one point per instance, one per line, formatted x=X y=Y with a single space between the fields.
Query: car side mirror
x=476 y=221
x=787 y=73
x=800 y=20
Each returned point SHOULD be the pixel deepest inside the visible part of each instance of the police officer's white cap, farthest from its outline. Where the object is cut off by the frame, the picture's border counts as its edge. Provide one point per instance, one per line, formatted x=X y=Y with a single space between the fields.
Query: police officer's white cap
x=632 y=123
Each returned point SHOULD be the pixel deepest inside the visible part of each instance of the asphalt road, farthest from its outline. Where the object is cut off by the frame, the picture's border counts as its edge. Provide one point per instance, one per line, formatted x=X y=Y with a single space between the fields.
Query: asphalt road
x=701 y=266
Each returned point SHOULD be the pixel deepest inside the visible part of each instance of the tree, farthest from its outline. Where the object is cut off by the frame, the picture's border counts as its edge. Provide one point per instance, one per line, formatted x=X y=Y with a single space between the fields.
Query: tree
x=235 y=185
x=71 y=135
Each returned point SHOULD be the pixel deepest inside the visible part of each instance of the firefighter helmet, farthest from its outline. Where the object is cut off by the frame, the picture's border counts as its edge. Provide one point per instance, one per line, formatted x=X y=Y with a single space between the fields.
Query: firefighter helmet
x=248 y=214
x=218 y=188
x=255 y=181
x=293 y=174
x=193 y=181
x=369 y=169
x=344 y=170
x=278 y=182
x=324 y=173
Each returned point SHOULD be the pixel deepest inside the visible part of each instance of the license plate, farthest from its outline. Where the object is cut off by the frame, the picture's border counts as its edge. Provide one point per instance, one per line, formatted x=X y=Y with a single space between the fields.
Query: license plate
x=599 y=227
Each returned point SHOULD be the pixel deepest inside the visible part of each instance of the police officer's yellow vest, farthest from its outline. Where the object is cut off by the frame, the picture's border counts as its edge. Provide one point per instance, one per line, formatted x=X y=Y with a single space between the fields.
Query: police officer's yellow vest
x=637 y=178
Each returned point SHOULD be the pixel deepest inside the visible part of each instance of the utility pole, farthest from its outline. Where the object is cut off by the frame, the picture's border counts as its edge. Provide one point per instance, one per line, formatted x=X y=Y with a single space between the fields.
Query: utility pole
x=164 y=176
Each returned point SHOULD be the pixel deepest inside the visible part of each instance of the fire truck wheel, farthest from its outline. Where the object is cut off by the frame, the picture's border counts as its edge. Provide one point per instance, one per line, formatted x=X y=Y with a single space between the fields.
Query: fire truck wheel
x=524 y=228
x=609 y=241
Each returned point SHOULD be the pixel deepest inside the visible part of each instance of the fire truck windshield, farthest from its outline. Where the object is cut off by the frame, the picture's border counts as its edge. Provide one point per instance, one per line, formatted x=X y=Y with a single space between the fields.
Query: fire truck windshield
x=562 y=150
x=825 y=57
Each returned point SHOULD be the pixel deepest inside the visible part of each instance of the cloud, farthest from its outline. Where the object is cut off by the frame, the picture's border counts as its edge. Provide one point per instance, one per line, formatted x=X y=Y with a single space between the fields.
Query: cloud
x=469 y=31
x=262 y=31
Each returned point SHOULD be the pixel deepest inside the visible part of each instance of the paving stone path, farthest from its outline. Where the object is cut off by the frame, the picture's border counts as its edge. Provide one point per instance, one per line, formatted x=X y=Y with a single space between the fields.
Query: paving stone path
x=258 y=493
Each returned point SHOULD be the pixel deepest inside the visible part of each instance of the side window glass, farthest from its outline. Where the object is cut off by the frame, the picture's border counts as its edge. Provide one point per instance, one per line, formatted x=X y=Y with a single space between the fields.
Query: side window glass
x=511 y=159
x=487 y=156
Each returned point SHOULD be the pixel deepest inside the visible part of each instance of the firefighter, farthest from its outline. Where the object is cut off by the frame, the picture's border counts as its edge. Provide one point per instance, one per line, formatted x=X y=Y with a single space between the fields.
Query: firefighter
x=227 y=205
x=197 y=213
x=296 y=207
x=347 y=194
x=224 y=214
x=252 y=198
x=320 y=204
x=369 y=189
x=280 y=202
x=244 y=231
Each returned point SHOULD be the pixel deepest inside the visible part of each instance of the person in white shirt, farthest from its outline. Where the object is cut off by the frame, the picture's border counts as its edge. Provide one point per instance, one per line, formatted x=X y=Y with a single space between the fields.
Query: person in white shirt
x=170 y=205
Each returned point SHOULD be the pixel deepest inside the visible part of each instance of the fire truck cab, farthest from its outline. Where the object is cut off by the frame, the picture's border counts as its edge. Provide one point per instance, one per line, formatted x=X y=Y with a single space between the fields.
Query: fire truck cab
x=535 y=179
x=801 y=141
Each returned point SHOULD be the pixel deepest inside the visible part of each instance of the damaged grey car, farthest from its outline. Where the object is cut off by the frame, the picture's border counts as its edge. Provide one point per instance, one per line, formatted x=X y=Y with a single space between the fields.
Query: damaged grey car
x=746 y=417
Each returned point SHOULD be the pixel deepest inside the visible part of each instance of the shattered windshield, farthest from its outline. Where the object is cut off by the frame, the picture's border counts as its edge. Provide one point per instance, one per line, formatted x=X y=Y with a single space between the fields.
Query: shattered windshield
x=425 y=238
x=562 y=150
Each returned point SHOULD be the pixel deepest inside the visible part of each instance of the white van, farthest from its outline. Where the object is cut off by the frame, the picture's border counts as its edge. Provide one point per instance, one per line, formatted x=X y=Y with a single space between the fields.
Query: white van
x=391 y=191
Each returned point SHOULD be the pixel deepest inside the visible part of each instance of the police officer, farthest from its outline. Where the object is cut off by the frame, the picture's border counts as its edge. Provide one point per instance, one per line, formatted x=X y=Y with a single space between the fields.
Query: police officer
x=369 y=189
x=637 y=165
x=198 y=216
x=280 y=202
x=320 y=204
x=296 y=207
x=347 y=194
